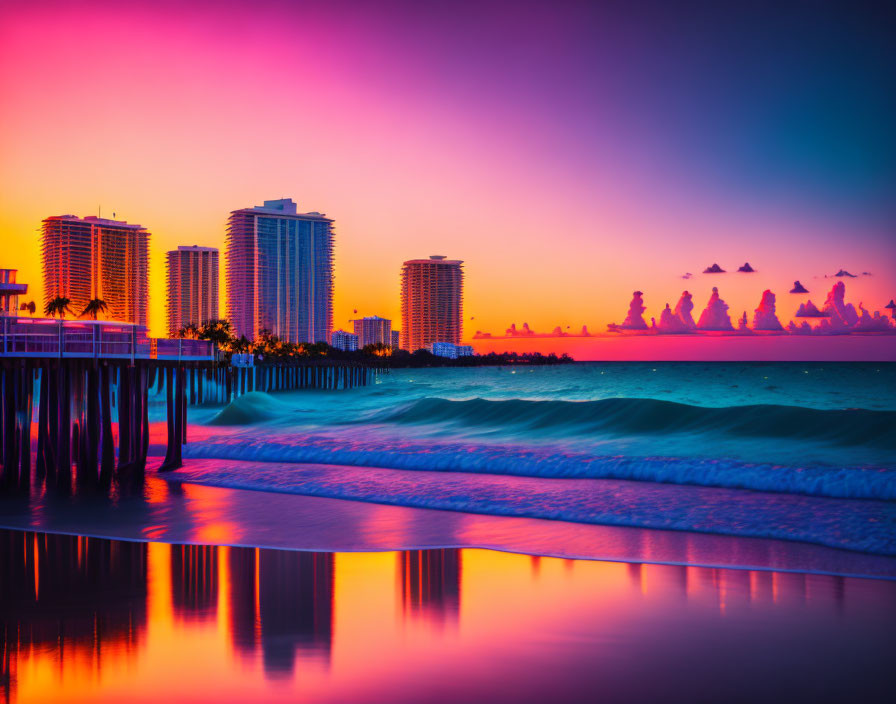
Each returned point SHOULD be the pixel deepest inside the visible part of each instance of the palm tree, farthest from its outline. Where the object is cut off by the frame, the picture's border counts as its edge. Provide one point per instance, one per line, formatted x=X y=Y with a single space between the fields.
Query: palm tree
x=218 y=331
x=94 y=307
x=29 y=306
x=241 y=345
x=60 y=305
x=378 y=349
x=189 y=331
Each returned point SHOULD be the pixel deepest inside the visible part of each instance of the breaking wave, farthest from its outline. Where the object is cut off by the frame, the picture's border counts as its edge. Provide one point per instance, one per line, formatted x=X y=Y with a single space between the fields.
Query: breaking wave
x=545 y=461
x=646 y=416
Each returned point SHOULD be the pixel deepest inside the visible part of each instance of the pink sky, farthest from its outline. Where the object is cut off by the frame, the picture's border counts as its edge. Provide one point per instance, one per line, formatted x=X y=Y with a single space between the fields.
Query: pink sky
x=519 y=152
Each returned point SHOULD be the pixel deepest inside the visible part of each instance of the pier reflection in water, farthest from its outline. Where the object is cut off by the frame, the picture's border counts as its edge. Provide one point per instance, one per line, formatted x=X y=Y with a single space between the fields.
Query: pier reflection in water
x=84 y=619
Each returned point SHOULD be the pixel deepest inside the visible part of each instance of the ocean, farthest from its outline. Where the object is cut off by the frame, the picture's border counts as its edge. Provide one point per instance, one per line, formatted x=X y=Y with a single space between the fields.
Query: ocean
x=487 y=534
x=789 y=451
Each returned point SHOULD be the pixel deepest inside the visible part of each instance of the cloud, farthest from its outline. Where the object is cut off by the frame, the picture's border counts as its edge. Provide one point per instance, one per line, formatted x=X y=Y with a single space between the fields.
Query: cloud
x=798 y=288
x=714 y=269
x=869 y=322
x=683 y=311
x=810 y=310
x=765 y=318
x=635 y=318
x=687 y=275
x=840 y=317
x=715 y=315
x=844 y=272
x=746 y=268
x=671 y=323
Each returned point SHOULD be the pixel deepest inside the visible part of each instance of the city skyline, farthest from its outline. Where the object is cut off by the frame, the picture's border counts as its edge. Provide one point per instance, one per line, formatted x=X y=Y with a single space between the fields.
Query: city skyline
x=593 y=177
x=78 y=251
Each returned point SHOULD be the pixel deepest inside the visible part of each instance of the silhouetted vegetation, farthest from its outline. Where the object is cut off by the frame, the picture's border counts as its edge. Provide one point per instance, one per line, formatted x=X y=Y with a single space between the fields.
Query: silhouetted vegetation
x=94 y=307
x=270 y=347
x=60 y=306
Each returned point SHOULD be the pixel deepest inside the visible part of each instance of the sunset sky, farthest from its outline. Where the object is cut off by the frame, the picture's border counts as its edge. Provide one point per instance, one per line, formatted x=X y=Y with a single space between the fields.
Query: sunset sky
x=569 y=154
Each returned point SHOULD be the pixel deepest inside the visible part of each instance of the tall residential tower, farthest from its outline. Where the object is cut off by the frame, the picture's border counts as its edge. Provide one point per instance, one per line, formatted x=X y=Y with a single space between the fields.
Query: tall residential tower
x=372 y=330
x=192 y=286
x=280 y=272
x=431 y=302
x=85 y=258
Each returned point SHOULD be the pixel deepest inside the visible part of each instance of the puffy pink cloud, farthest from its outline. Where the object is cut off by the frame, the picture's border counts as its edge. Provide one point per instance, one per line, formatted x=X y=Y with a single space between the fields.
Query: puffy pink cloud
x=671 y=323
x=715 y=315
x=635 y=318
x=765 y=317
x=683 y=310
x=810 y=310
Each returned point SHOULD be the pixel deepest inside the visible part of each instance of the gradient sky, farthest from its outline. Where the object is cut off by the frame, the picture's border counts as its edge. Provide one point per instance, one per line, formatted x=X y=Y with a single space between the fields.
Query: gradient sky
x=568 y=153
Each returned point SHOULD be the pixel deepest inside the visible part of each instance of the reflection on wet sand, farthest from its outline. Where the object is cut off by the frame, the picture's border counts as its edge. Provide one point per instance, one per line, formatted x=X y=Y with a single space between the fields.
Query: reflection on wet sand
x=79 y=598
x=430 y=584
x=194 y=581
x=105 y=618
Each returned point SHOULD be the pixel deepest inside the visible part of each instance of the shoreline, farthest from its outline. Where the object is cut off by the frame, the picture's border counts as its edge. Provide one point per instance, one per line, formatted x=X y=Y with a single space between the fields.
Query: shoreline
x=176 y=512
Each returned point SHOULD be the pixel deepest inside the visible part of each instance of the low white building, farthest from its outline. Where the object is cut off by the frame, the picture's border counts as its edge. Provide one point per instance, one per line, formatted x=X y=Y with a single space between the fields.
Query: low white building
x=342 y=340
x=449 y=350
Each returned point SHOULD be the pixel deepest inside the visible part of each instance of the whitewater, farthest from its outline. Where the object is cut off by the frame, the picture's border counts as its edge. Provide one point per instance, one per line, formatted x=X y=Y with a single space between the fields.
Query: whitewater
x=792 y=451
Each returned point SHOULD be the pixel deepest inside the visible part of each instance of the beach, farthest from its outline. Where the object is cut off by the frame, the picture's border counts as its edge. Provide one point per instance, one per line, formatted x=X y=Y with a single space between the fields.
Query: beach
x=93 y=620
x=442 y=534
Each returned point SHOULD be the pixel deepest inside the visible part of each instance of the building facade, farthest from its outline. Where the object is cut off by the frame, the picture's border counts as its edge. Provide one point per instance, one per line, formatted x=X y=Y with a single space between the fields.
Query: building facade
x=346 y=341
x=431 y=302
x=280 y=272
x=449 y=350
x=10 y=292
x=192 y=285
x=373 y=330
x=395 y=339
x=86 y=258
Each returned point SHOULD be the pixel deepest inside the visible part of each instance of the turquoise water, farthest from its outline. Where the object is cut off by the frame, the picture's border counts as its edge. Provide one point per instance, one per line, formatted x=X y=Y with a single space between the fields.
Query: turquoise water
x=797 y=451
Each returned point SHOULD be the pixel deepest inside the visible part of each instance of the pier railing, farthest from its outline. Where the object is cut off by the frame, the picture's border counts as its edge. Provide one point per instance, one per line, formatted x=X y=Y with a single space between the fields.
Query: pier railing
x=90 y=339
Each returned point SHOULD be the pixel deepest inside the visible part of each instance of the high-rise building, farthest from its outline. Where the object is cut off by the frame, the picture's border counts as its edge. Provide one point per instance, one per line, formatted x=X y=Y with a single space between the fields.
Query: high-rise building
x=280 y=272
x=346 y=341
x=373 y=330
x=85 y=258
x=192 y=286
x=394 y=337
x=431 y=302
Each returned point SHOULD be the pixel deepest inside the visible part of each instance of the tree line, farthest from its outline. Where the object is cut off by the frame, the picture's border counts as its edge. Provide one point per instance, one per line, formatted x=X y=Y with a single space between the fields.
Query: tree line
x=270 y=346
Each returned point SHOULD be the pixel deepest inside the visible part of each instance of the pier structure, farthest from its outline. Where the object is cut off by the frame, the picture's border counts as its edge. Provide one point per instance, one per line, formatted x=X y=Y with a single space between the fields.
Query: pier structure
x=90 y=383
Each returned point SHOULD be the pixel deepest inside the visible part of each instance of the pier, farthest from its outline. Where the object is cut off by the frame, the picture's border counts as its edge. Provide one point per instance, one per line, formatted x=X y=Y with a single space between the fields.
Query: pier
x=90 y=382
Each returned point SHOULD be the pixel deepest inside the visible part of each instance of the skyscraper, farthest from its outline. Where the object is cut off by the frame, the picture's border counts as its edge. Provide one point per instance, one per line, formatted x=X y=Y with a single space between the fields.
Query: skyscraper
x=431 y=302
x=192 y=286
x=85 y=258
x=280 y=272
x=372 y=330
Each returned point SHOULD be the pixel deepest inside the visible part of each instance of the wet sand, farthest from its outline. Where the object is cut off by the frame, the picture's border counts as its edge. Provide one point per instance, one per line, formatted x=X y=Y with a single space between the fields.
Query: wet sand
x=173 y=512
x=94 y=620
